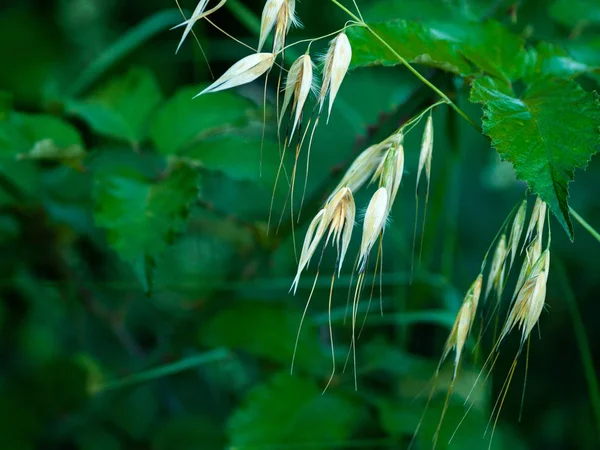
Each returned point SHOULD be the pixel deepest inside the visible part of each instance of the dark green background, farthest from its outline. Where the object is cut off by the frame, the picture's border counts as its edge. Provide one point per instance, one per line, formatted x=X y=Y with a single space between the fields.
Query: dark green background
x=210 y=317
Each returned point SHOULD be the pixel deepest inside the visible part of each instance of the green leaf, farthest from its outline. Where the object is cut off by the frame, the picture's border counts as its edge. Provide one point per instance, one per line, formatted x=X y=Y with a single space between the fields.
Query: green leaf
x=271 y=333
x=142 y=216
x=576 y=12
x=121 y=109
x=421 y=10
x=549 y=59
x=237 y=156
x=293 y=411
x=465 y=48
x=546 y=134
x=414 y=41
x=36 y=135
x=184 y=120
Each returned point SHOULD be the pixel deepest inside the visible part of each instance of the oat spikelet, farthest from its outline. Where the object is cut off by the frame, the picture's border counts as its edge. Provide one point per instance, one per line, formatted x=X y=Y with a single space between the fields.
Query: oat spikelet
x=426 y=151
x=337 y=220
x=299 y=83
x=538 y=217
x=463 y=323
x=337 y=61
x=517 y=231
x=390 y=171
x=198 y=14
x=280 y=14
x=532 y=254
x=529 y=304
x=373 y=226
x=242 y=72
x=368 y=163
x=498 y=269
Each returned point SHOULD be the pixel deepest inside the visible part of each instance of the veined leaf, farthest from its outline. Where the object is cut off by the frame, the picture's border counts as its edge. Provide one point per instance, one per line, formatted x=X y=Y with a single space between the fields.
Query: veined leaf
x=141 y=216
x=292 y=410
x=121 y=109
x=465 y=48
x=546 y=134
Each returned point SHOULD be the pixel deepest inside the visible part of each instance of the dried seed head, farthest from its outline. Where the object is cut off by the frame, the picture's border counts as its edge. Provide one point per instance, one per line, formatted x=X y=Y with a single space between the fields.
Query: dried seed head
x=368 y=163
x=517 y=230
x=538 y=217
x=426 y=151
x=244 y=71
x=373 y=226
x=390 y=171
x=298 y=86
x=497 y=271
x=337 y=61
x=280 y=14
x=529 y=304
x=532 y=254
x=337 y=220
x=463 y=323
x=198 y=14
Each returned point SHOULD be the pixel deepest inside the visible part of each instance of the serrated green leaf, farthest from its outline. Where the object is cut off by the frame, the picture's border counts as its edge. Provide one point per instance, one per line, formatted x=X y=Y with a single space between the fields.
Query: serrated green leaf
x=183 y=119
x=546 y=134
x=464 y=48
x=576 y=12
x=271 y=333
x=31 y=134
x=290 y=410
x=141 y=216
x=414 y=41
x=122 y=108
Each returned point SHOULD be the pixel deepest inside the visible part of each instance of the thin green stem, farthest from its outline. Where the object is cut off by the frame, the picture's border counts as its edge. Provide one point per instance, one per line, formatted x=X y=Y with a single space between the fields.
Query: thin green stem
x=405 y=63
x=583 y=344
x=168 y=369
x=585 y=225
x=424 y=80
x=347 y=11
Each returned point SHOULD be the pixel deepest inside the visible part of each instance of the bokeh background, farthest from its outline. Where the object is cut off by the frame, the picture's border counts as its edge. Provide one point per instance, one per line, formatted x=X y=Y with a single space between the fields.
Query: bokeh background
x=189 y=345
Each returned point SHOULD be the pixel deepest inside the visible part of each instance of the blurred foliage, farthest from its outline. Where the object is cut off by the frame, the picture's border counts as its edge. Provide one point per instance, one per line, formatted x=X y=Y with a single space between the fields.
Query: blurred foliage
x=144 y=305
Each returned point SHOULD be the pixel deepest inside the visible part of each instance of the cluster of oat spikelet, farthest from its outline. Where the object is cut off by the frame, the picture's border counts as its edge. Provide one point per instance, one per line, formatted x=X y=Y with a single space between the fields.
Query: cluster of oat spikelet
x=383 y=164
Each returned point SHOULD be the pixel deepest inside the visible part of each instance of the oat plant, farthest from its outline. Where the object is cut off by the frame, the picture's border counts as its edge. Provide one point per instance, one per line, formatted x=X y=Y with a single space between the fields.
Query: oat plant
x=520 y=126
